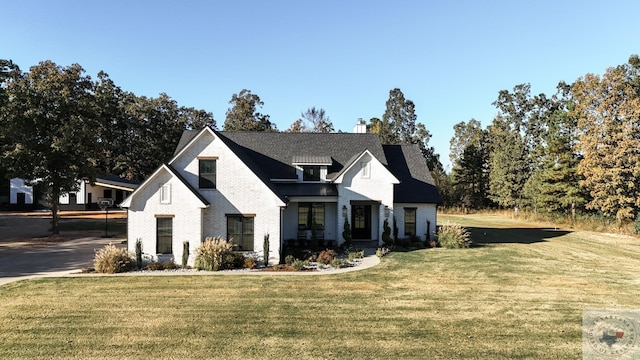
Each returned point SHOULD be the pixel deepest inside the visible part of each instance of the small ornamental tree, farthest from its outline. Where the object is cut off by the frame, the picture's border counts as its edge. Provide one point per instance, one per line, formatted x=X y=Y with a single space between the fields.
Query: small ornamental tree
x=386 y=234
x=185 y=254
x=346 y=234
x=139 y=253
x=395 y=229
x=265 y=250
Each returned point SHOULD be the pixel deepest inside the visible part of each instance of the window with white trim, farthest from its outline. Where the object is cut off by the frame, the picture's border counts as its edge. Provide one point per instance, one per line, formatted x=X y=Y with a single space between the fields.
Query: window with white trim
x=409 y=221
x=240 y=231
x=164 y=235
x=311 y=173
x=207 y=173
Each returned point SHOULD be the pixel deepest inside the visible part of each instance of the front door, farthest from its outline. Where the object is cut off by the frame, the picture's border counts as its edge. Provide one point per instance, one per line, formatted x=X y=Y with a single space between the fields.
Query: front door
x=361 y=220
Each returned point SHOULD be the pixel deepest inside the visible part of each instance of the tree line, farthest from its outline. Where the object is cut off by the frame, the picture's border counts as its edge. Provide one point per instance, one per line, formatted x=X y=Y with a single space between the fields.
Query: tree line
x=577 y=150
x=58 y=125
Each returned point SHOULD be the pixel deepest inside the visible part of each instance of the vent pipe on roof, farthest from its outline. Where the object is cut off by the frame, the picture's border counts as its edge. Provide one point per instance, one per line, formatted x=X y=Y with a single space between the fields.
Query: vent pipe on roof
x=361 y=127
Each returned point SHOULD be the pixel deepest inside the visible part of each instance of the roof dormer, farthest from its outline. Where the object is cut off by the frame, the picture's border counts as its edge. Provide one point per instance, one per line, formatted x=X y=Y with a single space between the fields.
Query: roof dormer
x=311 y=168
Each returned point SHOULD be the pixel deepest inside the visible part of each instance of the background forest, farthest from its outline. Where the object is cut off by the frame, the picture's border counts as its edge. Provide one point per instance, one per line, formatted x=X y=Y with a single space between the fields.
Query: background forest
x=575 y=152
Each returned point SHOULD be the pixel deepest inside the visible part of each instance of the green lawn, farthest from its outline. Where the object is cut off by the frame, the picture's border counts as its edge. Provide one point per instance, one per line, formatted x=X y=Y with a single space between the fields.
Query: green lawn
x=115 y=227
x=519 y=294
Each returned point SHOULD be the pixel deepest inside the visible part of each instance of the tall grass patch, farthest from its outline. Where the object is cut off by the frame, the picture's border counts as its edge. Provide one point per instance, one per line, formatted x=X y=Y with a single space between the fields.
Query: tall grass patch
x=111 y=259
x=454 y=236
x=210 y=255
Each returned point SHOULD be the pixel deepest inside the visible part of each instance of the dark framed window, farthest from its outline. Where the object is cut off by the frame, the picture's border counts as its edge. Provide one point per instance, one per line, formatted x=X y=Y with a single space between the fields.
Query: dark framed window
x=311 y=173
x=107 y=193
x=207 y=173
x=240 y=231
x=307 y=213
x=409 y=221
x=164 y=235
x=73 y=198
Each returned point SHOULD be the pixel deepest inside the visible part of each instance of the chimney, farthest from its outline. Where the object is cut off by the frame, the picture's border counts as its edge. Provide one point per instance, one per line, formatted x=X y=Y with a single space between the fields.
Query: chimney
x=361 y=127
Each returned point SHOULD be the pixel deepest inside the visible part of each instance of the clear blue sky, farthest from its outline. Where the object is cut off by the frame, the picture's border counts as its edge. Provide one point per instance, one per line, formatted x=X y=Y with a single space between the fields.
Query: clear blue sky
x=450 y=57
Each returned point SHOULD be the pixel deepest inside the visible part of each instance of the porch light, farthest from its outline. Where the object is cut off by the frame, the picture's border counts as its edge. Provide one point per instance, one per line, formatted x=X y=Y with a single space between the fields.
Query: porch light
x=344 y=210
x=386 y=211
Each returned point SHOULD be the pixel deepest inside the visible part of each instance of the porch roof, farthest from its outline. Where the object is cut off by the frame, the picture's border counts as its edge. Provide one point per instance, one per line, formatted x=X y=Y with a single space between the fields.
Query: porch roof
x=311 y=160
x=296 y=189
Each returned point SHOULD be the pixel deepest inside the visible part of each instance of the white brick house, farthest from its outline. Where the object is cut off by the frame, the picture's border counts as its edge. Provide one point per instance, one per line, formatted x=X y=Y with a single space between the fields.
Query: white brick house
x=113 y=189
x=291 y=186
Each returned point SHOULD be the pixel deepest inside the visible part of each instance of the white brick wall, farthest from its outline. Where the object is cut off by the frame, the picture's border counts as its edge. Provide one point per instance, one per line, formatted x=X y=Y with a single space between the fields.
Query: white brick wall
x=378 y=186
x=18 y=186
x=184 y=207
x=238 y=191
x=424 y=213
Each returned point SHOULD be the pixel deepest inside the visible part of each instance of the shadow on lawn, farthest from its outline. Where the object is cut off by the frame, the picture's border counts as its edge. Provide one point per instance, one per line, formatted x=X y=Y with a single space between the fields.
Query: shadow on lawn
x=484 y=236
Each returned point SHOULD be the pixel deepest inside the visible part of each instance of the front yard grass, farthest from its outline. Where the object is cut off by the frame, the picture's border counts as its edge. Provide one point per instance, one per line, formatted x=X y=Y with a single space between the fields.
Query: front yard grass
x=519 y=294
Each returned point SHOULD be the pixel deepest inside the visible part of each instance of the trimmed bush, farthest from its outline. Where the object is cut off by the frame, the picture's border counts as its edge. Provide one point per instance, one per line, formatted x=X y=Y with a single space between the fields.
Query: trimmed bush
x=265 y=250
x=209 y=255
x=111 y=259
x=454 y=236
x=386 y=234
x=232 y=260
x=185 y=254
x=346 y=233
x=139 y=253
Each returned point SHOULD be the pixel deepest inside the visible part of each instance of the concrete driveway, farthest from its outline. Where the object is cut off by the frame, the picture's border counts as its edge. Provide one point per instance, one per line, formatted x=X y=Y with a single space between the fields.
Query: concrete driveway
x=51 y=260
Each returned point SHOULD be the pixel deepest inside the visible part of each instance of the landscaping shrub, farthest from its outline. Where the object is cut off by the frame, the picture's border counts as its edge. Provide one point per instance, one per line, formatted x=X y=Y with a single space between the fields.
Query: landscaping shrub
x=169 y=265
x=265 y=250
x=185 y=254
x=289 y=259
x=454 y=236
x=386 y=234
x=139 y=253
x=359 y=254
x=636 y=225
x=111 y=259
x=298 y=265
x=380 y=252
x=210 y=253
x=250 y=263
x=154 y=266
x=346 y=233
x=232 y=260
x=325 y=257
x=339 y=263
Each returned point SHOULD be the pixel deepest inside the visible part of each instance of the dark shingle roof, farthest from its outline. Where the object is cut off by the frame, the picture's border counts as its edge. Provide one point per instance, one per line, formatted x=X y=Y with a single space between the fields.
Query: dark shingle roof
x=416 y=183
x=187 y=136
x=186 y=183
x=270 y=155
x=274 y=151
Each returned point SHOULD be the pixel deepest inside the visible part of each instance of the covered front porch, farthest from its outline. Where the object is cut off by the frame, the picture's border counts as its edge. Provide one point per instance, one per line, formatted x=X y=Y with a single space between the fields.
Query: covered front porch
x=318 y=222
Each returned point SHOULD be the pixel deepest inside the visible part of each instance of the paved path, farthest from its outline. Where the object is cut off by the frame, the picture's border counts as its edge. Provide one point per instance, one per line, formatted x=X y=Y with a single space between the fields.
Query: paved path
x=50 y=260
x=69 y=258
